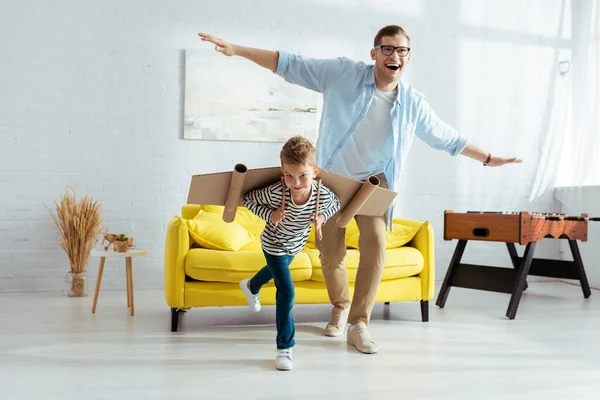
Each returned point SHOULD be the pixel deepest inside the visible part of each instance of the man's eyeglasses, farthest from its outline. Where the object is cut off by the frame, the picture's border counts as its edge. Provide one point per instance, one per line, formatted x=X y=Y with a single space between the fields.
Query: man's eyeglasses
x=388 y=50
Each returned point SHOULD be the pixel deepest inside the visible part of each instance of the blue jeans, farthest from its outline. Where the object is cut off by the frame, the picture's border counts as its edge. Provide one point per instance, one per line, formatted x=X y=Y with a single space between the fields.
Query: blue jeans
x=277 y=268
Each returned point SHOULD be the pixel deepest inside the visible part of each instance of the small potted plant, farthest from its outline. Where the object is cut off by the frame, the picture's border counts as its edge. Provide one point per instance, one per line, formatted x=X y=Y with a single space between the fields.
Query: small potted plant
x=122 y=243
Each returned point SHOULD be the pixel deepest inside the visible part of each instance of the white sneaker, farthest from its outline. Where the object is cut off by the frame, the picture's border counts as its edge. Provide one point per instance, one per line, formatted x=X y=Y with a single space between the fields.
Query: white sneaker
x=253 y=299
x=337 y=322
x=283 y=359
x=359 y=337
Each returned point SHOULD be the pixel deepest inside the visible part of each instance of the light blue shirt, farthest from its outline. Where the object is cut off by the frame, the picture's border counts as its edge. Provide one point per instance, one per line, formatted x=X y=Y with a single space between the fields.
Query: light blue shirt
x=348 y=88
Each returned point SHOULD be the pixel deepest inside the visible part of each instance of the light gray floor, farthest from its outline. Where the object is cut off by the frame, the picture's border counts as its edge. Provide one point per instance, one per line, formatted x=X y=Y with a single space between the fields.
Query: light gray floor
x=53 y=347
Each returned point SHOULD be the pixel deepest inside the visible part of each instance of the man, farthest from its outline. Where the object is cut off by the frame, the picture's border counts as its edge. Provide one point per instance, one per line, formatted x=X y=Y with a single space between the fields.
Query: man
x=369 y=120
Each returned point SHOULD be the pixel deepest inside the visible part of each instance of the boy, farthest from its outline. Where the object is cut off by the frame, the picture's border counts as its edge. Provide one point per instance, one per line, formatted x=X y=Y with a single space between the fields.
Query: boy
x=286 y=233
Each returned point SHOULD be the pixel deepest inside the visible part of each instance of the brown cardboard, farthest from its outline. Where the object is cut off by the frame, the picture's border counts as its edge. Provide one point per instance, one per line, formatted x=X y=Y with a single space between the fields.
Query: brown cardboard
x=234 y=193
x=217 y=188
x=358 y=200
x=319 y=180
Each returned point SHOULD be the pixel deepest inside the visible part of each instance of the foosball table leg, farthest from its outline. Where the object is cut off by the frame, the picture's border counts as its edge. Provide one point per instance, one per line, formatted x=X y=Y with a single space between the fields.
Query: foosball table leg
x=445 y=289
x=514 y=258
x=520 y=282
x=585 y=286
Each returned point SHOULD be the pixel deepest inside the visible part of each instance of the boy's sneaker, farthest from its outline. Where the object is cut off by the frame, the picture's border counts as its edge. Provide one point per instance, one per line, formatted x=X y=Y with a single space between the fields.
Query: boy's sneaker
x=283 y=359
x=253 y=299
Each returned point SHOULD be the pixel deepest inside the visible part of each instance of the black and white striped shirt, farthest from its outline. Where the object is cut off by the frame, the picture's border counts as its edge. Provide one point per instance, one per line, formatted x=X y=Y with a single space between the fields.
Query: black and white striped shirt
x=290 y=235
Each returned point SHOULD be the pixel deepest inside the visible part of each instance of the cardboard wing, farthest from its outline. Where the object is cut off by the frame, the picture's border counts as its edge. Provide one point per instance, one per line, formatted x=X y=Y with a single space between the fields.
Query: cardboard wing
x=228 y=188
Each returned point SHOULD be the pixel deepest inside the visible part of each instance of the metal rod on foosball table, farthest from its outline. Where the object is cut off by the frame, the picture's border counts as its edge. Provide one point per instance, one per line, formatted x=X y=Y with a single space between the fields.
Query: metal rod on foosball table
x=547 y=217
x=566 y=218
x=576 y=218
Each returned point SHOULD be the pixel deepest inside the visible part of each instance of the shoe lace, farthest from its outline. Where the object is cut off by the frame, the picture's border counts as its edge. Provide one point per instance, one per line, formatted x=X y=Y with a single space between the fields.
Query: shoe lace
x=335 y=319
x=364 y=335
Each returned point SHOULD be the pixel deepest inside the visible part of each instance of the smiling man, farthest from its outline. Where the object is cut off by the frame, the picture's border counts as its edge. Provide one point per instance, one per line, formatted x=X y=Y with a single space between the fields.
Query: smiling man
x=370 y=118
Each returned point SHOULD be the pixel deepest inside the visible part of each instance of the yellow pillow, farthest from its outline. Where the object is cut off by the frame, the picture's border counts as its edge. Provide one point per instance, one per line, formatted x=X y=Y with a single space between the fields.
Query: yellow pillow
x=399 y=236
x=351 y=229
x=243 y=216
x=210 y=231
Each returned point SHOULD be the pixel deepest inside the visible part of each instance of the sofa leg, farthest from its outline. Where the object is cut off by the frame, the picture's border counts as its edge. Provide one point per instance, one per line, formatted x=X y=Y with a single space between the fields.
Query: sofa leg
x=424 y=310
x=387 y=303
x=174 y=319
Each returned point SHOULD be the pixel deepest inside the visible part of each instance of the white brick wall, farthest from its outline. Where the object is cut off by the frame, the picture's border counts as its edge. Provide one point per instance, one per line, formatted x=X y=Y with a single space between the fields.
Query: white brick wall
x=91 y=96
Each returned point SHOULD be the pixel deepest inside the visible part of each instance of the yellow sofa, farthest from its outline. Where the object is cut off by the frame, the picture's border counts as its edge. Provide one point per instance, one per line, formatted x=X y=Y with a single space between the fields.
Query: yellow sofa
x=207 y=274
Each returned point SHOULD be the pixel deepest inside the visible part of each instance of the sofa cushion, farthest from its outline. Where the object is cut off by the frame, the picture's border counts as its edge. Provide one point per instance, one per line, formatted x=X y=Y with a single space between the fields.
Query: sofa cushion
x=399 y=263
x=399 y=236
x=254 y=245
x=210 y=231
x=230 y=266
x=351 y=229
x=243 y=216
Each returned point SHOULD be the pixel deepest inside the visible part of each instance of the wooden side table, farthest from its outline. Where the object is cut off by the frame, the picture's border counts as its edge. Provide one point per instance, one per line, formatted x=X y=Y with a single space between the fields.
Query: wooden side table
x=128 y=255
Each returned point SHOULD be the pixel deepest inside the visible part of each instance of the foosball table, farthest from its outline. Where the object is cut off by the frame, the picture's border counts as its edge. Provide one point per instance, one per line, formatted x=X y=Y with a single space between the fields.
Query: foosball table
x=516 y=227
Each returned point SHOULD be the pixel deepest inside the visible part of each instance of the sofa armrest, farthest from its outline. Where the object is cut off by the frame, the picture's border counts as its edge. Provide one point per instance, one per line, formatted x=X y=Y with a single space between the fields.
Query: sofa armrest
x=424 y=241
x=177 y=246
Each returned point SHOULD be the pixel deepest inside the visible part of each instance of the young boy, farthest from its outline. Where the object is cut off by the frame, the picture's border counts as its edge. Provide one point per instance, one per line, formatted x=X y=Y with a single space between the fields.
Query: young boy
x=286 y=233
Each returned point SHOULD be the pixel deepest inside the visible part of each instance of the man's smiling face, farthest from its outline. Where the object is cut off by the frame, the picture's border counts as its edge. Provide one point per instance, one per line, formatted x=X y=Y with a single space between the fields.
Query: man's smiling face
x=389 y=68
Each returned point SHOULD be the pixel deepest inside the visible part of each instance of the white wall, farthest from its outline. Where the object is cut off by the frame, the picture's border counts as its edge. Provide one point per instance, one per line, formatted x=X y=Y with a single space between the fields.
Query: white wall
x=91 y=96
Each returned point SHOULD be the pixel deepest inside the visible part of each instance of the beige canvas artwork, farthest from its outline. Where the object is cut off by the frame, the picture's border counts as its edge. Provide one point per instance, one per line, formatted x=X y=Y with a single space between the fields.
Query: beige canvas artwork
x=231 y=98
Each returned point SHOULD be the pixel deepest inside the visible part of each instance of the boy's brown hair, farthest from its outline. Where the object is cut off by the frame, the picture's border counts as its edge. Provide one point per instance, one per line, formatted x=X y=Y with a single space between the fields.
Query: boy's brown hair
x=298 y=150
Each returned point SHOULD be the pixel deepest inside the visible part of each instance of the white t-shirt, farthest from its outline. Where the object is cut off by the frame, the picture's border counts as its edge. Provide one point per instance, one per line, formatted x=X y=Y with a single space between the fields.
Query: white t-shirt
x=373 y=136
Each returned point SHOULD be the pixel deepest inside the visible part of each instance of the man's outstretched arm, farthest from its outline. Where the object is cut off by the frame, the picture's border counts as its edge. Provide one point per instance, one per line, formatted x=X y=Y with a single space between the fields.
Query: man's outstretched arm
x=478 y=154
x=439 y=135
x=313 y=74
x=265 y=58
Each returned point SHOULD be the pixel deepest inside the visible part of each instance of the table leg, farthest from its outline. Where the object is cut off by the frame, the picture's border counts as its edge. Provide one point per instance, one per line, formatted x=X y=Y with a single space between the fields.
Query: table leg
x=514 y=259
x=98 y=281
x=130 y=276
x=127 y=281
x=445 y=289
x=585 y=286
x=520 y=281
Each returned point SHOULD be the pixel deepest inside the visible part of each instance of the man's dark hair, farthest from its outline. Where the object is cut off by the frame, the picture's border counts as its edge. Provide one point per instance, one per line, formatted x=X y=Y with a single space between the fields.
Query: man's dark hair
x=390 y=30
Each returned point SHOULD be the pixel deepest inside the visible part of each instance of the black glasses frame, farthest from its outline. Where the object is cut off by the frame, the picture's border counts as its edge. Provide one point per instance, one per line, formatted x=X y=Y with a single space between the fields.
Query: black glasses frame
x=396 y=49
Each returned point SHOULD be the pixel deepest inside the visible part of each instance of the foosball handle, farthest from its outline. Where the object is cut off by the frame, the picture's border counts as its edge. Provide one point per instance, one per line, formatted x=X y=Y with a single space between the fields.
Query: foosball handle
x=574 y=219
x=595 y=219
x=553 y=218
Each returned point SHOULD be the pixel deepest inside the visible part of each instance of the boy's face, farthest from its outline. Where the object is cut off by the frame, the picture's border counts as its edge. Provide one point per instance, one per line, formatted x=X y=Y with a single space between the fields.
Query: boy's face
x=299 y=177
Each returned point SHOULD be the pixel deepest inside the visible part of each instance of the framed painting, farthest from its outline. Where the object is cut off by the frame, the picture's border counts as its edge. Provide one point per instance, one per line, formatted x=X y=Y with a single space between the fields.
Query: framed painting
x=233 y=99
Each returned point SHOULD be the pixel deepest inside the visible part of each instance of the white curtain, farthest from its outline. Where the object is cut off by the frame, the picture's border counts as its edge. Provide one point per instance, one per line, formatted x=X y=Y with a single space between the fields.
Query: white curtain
x=571 y=151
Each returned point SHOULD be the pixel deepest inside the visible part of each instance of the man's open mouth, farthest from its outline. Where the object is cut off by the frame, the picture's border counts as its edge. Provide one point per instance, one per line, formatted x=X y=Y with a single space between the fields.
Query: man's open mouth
x=393 y=67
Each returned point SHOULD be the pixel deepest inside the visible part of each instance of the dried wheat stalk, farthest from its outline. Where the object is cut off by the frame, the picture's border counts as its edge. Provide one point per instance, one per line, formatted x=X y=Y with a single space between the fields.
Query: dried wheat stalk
x=78 y=224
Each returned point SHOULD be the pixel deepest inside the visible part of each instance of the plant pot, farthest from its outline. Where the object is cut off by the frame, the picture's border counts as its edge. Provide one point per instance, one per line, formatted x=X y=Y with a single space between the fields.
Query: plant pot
x=77 y=284
x=121 y=247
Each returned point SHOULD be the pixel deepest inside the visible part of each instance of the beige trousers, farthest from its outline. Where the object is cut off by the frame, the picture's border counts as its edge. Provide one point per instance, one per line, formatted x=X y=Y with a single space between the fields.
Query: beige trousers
x=371 y=245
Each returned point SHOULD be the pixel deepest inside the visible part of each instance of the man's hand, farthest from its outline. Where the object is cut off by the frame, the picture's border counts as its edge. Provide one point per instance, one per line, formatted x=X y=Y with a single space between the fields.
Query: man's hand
x=220 y=45
x=278 y=216
x=320 y=219
x=478 y=154
x=499 y=161
x=265 y=58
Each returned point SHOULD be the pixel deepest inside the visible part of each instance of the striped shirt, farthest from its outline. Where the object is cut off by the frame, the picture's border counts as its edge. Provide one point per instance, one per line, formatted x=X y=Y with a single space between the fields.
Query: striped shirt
x=290 y=235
